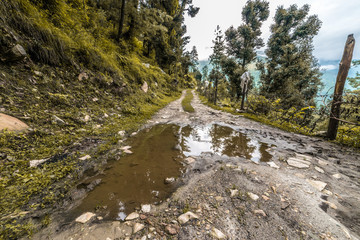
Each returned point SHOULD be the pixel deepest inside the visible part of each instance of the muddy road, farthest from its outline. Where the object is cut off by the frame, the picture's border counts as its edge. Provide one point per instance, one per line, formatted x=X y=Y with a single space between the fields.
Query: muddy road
x=234 y=179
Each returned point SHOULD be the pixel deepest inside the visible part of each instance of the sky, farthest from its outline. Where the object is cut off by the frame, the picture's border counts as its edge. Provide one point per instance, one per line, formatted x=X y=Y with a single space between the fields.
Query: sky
x=339 y=19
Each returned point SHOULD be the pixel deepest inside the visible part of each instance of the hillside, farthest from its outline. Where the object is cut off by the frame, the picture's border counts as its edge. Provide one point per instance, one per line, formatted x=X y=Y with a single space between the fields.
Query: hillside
x=80 y=91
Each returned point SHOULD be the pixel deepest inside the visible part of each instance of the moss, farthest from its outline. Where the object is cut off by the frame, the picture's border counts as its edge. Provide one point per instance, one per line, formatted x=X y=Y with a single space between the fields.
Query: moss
x=186 y=102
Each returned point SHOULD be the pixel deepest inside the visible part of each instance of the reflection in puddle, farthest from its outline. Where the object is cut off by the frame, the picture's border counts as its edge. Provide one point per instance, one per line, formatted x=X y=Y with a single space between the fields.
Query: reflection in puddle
x=157 y=154
x=222 y=140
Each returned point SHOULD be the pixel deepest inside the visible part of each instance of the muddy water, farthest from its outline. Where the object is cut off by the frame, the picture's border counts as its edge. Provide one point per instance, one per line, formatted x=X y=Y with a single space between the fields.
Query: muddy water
x=157 y=154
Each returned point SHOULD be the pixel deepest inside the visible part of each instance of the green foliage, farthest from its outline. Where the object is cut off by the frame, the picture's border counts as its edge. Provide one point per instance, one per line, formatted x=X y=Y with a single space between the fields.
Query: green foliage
x=186 y=102
x=291 y=72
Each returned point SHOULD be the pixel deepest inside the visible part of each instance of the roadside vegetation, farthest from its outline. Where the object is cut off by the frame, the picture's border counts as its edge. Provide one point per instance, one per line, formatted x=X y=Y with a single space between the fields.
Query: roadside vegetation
x=186 y=102
x=286 y=95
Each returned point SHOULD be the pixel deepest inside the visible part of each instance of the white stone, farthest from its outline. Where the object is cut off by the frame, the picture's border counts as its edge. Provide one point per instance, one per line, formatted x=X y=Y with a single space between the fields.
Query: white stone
x=87 y=118
x=298 y=163
x=337 y=175
x=216 y=233
x=303 y=157
x=233 y=192
x=105 y=115
x=317 y=184
x=85 y=217
x=143 y=238
x=128 y=152
x=320 y=170
x=184 y=218
x=145 y=87
x=273 y=165
x=138 y=227
x=86 y=157
x=125 y=148
x=132 y=216
x=253 y=196
x=146 y=208
x=35 y=163
x=169 y=180
x=121 y=133
x=189 y=160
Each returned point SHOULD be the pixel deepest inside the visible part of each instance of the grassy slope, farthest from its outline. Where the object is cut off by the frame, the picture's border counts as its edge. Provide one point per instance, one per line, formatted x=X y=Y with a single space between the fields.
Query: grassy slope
x=186 y=102
x=46 y=84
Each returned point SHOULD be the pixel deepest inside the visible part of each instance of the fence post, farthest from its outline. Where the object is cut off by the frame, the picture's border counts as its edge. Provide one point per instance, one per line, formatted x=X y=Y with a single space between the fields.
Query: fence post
x=339 y=87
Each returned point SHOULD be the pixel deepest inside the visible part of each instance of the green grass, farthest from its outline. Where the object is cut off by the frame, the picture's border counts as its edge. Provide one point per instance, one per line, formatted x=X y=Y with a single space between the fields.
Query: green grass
x=186 y=102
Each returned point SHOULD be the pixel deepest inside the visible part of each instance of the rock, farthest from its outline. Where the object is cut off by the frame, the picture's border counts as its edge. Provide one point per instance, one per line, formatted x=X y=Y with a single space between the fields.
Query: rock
x=132 y=216
x=83 y=76
x=146 y=208
x=337 y=175
x=100 y=218
x=39 y=74
x=57 y=120
x=16 y=53
x=233 y=192
x=189 y=160
x=35 y=163
x=121 y=133
x=260 y=212
x=95 y=99
x=138 y=227
x=143 y=217
x=322 y=162
x=273 y=165
x=86 y=157
x=11 y=123
x=85 y=217
x=87 y=118
x=219 y=198
x=143 y=237
x=332 y=205
x=184 y=218
x=216 y=233
x=125 y=148
x=145 y=87
x=303 y=157
x=169 y=180
x=320 y=170
x=317 y=184
x=128 y=152
x=298 y=163
x=327 y=192
x=265 y=197
x=172 y=229
x=253 y=196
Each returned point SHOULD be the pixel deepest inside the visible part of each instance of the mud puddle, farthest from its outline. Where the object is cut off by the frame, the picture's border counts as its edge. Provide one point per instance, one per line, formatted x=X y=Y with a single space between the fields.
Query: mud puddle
x=158 y=152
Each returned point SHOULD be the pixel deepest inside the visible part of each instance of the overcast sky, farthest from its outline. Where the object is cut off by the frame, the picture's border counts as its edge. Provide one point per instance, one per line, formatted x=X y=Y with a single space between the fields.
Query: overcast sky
x=339 y=17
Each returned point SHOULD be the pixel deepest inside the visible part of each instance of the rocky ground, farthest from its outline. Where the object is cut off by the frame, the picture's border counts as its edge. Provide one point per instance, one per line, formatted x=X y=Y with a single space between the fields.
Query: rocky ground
x=309 y=190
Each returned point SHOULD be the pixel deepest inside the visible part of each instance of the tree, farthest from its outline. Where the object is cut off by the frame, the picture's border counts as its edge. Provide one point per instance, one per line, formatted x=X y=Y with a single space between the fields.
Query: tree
x=242 y=42
x=121 y=20
x=291 y=72
x=215 y=59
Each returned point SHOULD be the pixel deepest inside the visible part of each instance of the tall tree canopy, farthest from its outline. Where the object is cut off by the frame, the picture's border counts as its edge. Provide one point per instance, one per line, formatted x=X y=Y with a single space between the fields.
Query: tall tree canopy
x=242 y=42
x=291 y=72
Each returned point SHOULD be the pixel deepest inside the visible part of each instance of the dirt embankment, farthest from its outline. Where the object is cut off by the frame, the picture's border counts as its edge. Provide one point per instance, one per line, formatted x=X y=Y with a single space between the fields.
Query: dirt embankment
x=309 y=190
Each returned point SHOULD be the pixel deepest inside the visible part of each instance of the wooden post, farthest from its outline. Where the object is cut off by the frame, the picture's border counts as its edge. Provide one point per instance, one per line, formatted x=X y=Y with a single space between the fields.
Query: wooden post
x=339 y=87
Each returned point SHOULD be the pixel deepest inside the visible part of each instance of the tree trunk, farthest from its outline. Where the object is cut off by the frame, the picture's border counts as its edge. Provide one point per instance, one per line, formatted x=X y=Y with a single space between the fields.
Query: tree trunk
x=121 y=21
x=216 y=88
x=243 y=98
x=339 y=87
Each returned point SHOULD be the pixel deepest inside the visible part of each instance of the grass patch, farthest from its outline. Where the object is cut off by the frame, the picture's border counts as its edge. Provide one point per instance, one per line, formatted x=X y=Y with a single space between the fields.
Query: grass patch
x=186 y=102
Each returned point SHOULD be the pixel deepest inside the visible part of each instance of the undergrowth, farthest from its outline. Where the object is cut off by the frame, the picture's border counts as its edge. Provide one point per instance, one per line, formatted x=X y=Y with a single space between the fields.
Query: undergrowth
x=186 y=102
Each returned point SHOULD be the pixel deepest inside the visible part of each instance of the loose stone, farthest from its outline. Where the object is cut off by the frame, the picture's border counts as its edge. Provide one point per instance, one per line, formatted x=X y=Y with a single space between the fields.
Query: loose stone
x=132 y=216
x=253 y=196
x=138 y=227
x=317 y=184
x=216 y=233
x=85 y=217
x=146 y=208
x=184 y=218
x=298 y=163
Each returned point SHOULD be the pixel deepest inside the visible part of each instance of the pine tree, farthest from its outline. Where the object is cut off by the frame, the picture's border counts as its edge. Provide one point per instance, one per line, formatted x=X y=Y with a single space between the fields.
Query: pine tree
x=291 y=72
x=242 y=42
x=215 y=59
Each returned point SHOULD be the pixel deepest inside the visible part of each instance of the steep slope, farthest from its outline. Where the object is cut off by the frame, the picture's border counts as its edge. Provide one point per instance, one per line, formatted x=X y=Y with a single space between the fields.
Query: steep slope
x=79 y=91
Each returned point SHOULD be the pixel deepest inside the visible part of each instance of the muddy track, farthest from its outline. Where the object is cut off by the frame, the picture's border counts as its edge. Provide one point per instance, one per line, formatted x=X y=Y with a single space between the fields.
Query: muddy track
x=241 y=199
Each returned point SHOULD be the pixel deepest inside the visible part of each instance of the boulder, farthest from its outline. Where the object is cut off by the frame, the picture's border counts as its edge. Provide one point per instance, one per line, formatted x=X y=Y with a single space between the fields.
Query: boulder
x=11 y=123
x=16 y=53
x=298 y=163
x=85 y=217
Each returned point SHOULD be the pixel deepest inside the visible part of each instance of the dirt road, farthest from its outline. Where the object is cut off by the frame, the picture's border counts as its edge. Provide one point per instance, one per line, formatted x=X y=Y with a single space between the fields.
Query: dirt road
x=310 y=189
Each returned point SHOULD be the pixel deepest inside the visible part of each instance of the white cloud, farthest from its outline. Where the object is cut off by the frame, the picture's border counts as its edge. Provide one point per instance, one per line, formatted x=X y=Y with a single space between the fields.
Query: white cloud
x=339 y=18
